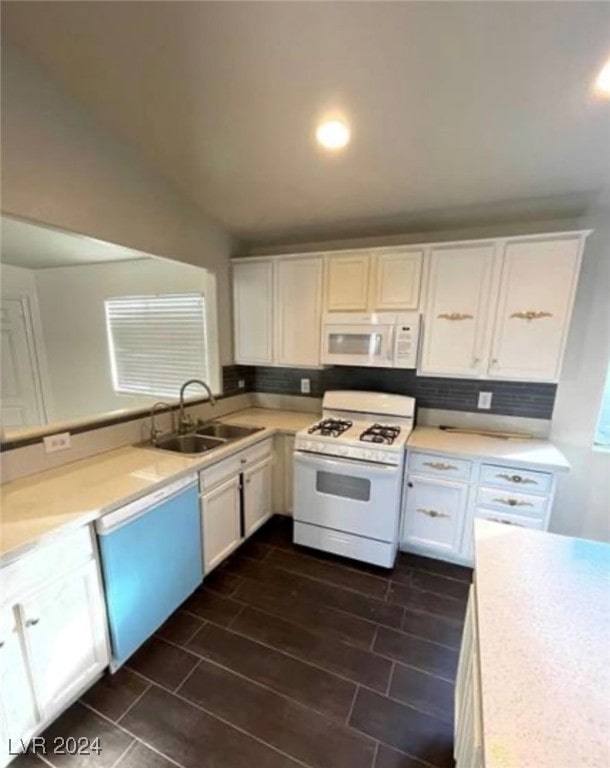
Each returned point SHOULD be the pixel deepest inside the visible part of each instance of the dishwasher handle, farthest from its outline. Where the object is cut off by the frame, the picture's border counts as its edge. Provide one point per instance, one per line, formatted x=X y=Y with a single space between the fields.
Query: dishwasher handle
x=134 y=509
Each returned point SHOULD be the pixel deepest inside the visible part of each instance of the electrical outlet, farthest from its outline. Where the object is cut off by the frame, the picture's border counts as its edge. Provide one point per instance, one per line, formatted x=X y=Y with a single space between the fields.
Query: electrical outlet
x=305 y=386
x=484 y=401
x=59 y=442
x=241 y=384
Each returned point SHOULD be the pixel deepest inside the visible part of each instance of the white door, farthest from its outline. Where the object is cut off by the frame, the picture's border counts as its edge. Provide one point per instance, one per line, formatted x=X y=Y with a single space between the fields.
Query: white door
x=298 y=311
x=347 y=282
x=535 y=304
x=18 y=715
x=456 y=324
x=19 y=378
x=221 y=529
x=435 y=511
x=64 y=628
x=253 y=311
x=397 y=279
x=257 y=495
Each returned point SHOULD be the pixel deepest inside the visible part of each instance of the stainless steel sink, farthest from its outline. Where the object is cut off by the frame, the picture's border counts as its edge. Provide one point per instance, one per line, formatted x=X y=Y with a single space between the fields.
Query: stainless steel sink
x=226 y=431
x=191 y=444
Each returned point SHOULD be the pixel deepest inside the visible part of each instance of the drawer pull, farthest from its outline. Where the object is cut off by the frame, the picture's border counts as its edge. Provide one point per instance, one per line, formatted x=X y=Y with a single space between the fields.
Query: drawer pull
x=514 y=502
x=505 y=522
x=531 y=315
x=439 y=465
x=455 y=316
x=516 y=478
x=432 y=512
x=31 y=622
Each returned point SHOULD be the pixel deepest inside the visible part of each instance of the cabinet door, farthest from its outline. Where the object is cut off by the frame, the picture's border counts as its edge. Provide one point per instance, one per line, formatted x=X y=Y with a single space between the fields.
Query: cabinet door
x=456 y=332
x=18 y=715
x=257 y=495
x=288 y=474
x=221 y=527
x=397 y=279
x=535 y=304
x=64 y=627
x=435 y=513
x=253 y=311
x=298 y=311
x=347 y=282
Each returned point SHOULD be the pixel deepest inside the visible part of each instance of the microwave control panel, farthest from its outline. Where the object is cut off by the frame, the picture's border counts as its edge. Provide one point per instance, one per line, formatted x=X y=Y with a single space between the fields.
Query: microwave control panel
x=406 y=341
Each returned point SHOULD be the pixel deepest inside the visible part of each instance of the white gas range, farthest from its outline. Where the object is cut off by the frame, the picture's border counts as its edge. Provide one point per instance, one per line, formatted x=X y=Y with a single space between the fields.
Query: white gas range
x=349 y=475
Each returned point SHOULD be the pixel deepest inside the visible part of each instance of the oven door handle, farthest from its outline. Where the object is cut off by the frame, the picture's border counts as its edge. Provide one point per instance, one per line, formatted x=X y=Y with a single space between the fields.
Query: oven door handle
x=324 y=461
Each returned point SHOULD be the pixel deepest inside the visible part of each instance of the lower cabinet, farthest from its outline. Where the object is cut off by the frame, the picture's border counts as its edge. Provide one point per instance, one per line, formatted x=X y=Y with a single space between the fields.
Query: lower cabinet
x=283 y=476
x=444 y=494
x=53 y=638
x=236 y=499
x=468 y=738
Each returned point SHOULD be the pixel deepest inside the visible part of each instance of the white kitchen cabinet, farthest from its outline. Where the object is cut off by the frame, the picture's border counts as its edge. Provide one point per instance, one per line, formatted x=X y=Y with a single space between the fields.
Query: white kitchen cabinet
x=283 y=475
x=18 y=713
x=253 y=311
x=53 y=633
x=435 y=512
x=536 y=295
x=221 y=527
x=257 y=484
x=468 y=728
x=298 y=313
x=397 y=279
x=65 y=637
x=347 y=281
x=457 y=319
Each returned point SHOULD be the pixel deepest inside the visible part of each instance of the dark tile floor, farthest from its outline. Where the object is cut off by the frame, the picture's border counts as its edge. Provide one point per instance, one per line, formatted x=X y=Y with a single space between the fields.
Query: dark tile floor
x=287 y=657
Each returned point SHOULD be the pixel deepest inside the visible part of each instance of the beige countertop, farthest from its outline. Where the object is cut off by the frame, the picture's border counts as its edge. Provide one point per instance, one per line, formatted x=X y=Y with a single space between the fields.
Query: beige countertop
x=543 y=621
x=45 y=503
x=518 y=452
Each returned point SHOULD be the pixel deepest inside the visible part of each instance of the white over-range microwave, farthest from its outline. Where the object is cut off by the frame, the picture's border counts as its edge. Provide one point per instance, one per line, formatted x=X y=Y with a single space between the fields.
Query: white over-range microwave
x=379 y=339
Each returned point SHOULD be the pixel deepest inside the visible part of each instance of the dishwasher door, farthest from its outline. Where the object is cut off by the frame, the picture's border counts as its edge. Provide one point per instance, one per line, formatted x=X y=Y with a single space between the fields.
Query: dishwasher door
x=151 y=562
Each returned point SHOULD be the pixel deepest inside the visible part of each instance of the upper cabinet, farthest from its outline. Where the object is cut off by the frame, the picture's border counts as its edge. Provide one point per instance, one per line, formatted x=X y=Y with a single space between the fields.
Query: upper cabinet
x=535 y=301
x=378 y=280
x=253 y=311
x=278 y=310
x=500 y=310
x=456 y=324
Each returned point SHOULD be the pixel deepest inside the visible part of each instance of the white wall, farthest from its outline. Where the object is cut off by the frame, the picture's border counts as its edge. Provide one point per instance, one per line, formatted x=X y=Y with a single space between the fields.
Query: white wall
x=61 y=168
x=74 y=327
x=582 y=506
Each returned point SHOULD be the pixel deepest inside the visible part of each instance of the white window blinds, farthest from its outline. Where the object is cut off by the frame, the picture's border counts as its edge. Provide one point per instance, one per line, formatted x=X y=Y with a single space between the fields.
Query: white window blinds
x=156 y=342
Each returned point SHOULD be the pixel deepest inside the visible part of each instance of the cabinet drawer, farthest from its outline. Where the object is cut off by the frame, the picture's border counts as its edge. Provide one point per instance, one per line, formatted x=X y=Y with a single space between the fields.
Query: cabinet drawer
x=435 y=465
x=508 y=501
x=218 y=473
x=509 y=519
x=514 y=479
x=34 y=569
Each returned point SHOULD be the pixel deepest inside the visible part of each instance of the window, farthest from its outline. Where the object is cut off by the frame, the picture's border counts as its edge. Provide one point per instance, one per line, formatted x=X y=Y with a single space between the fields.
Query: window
x=602 y=433
x=156 y=342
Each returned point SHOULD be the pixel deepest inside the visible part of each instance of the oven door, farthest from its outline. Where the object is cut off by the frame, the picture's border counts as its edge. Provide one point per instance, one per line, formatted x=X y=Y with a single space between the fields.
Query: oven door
x=358 y=345
x=356 y=497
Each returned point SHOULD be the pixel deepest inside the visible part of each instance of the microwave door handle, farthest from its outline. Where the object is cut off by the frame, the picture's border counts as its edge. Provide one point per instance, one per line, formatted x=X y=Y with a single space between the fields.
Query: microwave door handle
x=391 y=344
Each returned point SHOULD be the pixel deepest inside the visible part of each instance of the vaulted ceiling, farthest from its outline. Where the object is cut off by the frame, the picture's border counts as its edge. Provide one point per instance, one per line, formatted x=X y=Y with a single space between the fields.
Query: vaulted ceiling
x=452 y=105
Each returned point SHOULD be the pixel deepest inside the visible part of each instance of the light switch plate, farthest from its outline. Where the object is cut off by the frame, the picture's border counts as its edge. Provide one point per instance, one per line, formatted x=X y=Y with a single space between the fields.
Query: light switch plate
x=484 y=401
x=241 y=383
x=305 y=386
x=58 y=442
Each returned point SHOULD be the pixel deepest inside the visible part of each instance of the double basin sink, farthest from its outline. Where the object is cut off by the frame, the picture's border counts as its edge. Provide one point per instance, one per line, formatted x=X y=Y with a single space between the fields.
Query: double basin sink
x=205 y=438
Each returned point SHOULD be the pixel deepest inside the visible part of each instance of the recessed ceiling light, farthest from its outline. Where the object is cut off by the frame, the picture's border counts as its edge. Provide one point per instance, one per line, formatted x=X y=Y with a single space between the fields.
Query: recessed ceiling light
x=602 y=83
x=333 y=134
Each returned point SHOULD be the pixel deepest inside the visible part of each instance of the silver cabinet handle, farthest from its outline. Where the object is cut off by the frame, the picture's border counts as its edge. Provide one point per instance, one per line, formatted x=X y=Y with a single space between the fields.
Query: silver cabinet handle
x=516 y=478
x=531 y=314
x=514 y=502
x=455 y=316
x=432 y=512
x=439 y=465
x=31 y=622
x=505 y=522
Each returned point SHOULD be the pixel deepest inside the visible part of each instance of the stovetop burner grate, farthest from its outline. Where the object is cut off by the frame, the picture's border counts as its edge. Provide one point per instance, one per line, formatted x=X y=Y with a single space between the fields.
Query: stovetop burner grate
x=380 y=433
x=330 y=427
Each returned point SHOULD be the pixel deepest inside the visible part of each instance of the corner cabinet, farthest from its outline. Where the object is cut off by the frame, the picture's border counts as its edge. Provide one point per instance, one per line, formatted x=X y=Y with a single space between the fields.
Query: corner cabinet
x=277 y=305
x=53 y=636
x=236 y=499
x=500 y=309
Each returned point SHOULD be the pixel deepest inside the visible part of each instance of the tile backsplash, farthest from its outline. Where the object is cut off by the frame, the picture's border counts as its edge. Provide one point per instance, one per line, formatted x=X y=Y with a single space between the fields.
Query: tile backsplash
x=509 y=398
